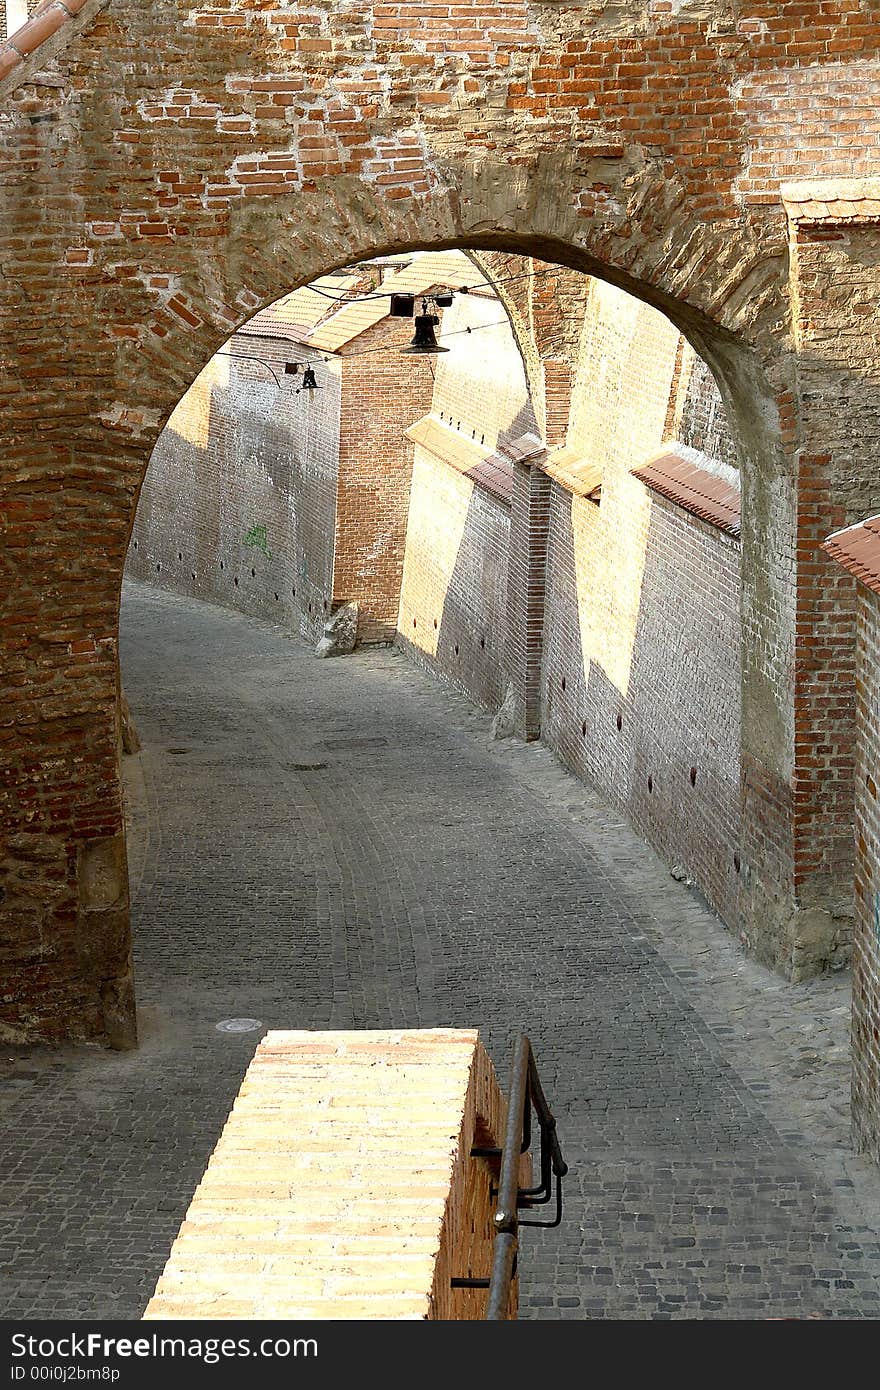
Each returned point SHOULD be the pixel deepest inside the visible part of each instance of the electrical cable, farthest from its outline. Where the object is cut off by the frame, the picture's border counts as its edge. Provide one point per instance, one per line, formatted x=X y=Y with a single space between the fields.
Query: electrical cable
x=462 y=289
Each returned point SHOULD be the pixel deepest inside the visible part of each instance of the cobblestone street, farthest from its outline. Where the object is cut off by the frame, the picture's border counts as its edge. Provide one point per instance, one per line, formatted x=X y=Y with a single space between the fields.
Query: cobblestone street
x=340 y=844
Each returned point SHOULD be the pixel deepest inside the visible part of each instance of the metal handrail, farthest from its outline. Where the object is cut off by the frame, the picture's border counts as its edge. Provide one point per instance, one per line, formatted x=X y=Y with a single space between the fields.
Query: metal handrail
x=525 y=1094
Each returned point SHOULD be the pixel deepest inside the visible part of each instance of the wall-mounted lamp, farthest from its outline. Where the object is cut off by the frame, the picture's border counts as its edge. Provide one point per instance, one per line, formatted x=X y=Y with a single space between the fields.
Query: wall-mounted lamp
x=309 y=382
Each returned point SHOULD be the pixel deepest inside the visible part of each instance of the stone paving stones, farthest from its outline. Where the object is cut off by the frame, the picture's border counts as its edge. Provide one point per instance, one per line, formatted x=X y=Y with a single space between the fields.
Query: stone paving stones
x=342 y=845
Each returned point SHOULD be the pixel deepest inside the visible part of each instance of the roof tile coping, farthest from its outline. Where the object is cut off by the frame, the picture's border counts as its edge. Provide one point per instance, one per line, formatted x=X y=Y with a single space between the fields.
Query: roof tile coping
x=576 y=474
x=698 y=484
x=857 y=549
x=46 y=21
x=832 y=200
x=488 y=468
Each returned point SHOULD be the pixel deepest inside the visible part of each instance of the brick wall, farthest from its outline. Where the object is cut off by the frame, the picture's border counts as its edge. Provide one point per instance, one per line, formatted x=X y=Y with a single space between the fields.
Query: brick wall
x=239 y=501
x=383 y=393
x=452 y=602
x=641 y=668
x=454 y=594
x=866 y=945
x=365 y=1208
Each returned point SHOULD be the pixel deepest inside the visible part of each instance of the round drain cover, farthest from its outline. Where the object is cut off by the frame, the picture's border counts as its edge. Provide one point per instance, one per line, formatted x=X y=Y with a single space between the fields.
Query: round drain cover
x=238 y=1025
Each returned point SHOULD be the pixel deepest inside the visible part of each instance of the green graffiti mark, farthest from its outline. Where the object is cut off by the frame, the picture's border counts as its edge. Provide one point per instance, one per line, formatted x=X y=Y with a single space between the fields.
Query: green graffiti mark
x=256 y=537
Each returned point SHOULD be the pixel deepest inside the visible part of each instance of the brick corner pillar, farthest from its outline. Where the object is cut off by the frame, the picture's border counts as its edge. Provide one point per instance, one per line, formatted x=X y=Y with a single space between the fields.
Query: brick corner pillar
x=835 y=266
x=526 y=582
x=343 y=1184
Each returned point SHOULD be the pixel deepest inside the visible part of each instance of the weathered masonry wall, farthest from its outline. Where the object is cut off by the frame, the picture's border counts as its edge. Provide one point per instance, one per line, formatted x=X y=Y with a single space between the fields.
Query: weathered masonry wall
x=866 y=954
x=404 y=1208
x=640 y=684
x=454 y=585
x=168 y=170
x=239 y=502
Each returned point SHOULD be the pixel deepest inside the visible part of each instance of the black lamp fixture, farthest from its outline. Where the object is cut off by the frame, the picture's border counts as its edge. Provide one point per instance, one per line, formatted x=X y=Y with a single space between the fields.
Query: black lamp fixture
x=308 y=383
x=425 y=340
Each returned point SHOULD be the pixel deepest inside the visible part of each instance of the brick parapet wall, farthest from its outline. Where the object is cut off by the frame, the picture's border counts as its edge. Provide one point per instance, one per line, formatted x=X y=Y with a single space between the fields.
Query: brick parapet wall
x=455 y=580
x=343 y=1185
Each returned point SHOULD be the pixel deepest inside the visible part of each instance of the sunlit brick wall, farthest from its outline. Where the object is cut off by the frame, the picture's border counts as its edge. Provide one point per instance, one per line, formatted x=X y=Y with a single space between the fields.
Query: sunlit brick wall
x=641 y=671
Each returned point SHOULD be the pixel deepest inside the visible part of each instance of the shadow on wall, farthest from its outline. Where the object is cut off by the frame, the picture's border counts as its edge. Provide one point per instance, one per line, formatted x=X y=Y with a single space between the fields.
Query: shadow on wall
x=453 y=599
x=664 y=745
x=238 y=504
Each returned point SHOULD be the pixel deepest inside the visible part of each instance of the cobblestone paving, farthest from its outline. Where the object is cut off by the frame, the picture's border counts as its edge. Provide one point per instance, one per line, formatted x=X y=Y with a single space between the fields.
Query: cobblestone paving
x=340 y=844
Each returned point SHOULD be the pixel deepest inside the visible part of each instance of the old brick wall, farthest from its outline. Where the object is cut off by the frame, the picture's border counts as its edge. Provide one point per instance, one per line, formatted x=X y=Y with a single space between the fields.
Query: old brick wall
x=239 y=501
x=383 y=393
x=168 y=170
x=866 y=944
x=364 y=1208
x=453 y=598
x=641 y=670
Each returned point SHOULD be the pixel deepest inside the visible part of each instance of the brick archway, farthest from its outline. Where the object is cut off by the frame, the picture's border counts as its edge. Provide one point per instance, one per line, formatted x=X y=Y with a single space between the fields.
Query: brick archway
x=149 y=211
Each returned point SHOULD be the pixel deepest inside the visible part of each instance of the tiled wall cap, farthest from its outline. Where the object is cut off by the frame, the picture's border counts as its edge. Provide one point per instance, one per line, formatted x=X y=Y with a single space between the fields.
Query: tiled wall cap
x=47 y=19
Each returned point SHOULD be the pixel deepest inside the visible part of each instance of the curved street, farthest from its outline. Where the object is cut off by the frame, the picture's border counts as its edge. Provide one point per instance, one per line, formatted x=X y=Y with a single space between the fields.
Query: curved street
x=340 y=844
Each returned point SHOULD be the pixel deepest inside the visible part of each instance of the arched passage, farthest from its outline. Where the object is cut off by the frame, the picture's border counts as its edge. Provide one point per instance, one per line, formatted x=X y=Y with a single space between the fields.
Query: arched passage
x=152 y=208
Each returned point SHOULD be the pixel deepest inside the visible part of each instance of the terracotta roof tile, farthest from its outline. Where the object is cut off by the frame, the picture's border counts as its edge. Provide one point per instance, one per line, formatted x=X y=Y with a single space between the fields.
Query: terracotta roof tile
x=491 y=469
x=857 y=549
x=434 y=268
x=693 y=488
x=45 y=21
x=832 y=200
x=297 y=314
x=575 y=473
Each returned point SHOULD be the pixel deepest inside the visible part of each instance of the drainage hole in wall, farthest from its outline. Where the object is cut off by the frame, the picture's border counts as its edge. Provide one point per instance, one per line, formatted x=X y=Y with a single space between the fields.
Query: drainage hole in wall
x=180 y=554
x=235 y=581
x=158 y=568
x=563 y=682
x=222 y=565
x=650 y=783
x=584 y=728
x=310 y=608
x=619 y=722
x=135 y=545
x=736 y=863
x=693 y=776
x=325 y=605
x=193 y=575
x=456 y=649
x=482 y=644
x=414 y=622
x=293 y=590
x=276 y=598
x=253 y=574
x=435 y=624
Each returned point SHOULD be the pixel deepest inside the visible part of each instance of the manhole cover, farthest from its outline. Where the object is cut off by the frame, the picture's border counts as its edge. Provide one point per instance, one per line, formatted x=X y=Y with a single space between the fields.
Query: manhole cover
x=238 y=1025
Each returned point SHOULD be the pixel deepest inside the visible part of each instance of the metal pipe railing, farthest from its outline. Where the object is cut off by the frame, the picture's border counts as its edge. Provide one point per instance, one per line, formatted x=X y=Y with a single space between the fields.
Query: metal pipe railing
x=525 y=1094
